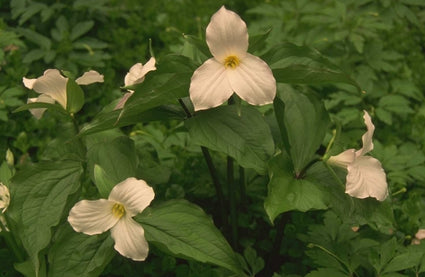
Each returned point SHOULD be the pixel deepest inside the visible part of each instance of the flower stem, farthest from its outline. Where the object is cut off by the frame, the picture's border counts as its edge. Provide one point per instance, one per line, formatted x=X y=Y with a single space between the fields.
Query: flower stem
x=273 y=259
x=213 y=172
x=232 y=201
x=242 y=188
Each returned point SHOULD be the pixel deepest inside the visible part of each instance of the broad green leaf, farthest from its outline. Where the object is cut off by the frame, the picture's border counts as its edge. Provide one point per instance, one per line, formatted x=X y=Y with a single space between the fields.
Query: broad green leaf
x=40 y=194
x=117 y=157
x=240 y=132
x=258 y=42
x=74 y=96
x=113 y=119
x=303 y=65
x=303 y=122
x=286 y=193
x=6 y=173
x=184 y=230
x=103 y=181
x=198 y=43
x=77 y=254
x=37 y=105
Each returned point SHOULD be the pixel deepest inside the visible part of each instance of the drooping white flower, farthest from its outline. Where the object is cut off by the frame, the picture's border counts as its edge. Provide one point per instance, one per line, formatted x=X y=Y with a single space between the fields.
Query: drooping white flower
x=134 y=76
x=126 y=199
x=52 y=87
x=366 y=177
x=4 y=198
x=232 y=69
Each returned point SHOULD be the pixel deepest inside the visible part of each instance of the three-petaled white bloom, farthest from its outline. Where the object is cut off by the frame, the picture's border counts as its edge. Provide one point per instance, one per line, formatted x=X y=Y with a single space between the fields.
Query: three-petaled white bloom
x=126 y=199
x=4 y=198
x=4 y=203
x=135 y=75
x=52 y=87
x=231 y=69
x=366 y=177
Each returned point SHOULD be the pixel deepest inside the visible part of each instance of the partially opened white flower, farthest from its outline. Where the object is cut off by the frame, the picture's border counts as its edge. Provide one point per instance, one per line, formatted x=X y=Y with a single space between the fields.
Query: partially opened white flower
x=366 y=177
x=232 y=68
x=136 y=75
x=4 y=198
x=126 y=199
x=52 y=87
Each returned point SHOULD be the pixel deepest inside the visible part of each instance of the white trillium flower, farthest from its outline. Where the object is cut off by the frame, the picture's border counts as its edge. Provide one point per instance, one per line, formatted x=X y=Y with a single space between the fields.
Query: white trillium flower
x=52 y=87
x=135 y=75
x=232 y=68
x=366 y=177
x=4 y=198
x=4 y=203
x=126 y=199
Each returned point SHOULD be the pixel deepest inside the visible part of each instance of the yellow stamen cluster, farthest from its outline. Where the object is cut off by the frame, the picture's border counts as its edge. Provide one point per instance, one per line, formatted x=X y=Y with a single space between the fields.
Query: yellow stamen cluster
x=118 y=210
x=231 y=62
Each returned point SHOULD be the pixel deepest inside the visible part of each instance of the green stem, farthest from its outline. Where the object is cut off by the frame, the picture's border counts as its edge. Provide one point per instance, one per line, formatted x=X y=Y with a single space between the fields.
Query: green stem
x=242 y=186
x=11 y=243
x=232 y=201
x=213 y=172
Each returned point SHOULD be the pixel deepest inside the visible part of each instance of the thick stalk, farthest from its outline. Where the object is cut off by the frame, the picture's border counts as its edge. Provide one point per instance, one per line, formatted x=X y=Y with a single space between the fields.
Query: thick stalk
x=274 y=259
x=213 y=173
x=232 y=202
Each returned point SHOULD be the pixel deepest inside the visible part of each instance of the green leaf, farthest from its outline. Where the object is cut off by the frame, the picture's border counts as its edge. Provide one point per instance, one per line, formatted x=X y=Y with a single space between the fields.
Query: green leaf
x=303 y=65
x=103 y=181
x=42 y=41
x=74 y=96
x=184 y=230
x=303 y=122
x=38 y=105
x=117 y=157
x=198 y=43
x=76 y=254
x=114 y=119
x=240 y=132
x=81 y=28
x=285 y=193
x=258 y=42
x=39 y=194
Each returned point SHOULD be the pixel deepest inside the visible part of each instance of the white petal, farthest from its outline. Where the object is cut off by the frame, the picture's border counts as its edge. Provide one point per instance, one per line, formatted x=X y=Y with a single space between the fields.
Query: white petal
x=420 y=234
x=367 y=137
x=92 y=217
x=129 y=239
x=43 y=98
x=4 y=198
x=137 y=72
x=123 y=100
x=253 y=81
x=227 y=35
x=53 y=84
x=343 y=159
x=209 y=86
x=366 y=178
x=134 y=194
x=90 y=77
x=28 y=83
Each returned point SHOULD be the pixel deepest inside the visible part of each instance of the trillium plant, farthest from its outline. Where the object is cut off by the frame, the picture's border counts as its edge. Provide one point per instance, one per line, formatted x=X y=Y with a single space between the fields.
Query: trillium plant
x=251 y=141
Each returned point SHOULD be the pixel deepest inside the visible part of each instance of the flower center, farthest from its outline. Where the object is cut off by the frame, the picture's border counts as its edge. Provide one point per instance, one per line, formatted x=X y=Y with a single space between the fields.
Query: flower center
x=118 y=210
x=231 y=62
